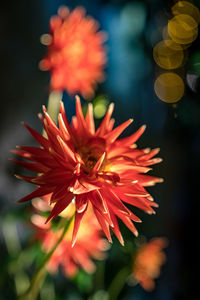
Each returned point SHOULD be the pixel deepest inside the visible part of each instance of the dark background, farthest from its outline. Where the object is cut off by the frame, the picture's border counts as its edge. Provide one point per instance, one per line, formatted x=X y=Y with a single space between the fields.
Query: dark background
x=130 y=75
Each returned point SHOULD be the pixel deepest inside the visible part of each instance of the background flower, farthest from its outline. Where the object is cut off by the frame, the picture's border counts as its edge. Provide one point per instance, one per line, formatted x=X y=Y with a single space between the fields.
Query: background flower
x=90 y=243
x=148 y=261
x=76 y=55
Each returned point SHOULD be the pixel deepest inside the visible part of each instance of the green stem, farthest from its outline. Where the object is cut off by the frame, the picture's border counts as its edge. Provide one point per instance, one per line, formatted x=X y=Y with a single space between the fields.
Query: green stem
x=53 y=106
x=40 y=275
x=118 y=283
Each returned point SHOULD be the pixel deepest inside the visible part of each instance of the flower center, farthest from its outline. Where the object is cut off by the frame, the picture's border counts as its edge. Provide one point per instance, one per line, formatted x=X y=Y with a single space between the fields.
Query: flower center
x=89 y=157
x=90 y=153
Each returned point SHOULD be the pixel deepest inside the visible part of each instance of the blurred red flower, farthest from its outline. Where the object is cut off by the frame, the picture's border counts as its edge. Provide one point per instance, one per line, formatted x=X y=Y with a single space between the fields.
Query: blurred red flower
x=90 y=243
x=148 y=262
x=77 y=162
x=76 y=55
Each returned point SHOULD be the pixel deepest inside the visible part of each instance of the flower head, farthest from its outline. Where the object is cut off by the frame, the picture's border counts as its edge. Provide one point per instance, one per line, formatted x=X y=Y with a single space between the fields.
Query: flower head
x=90 y=244
x=75 y=162
x=76 y=55
x=148 y=262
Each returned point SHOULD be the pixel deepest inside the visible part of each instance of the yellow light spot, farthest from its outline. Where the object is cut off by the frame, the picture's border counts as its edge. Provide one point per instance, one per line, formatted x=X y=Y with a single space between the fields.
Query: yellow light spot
x=174 y=46
x=183 y=29
x=169 y=87
x=185 y=7
x=170 y=43
x=168 y=58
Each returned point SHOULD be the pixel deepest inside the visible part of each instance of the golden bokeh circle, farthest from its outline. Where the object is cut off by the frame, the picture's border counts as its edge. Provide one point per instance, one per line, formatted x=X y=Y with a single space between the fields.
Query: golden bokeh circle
x=166 y=57
x=183 y=29
x=185 y=7
x=169 y=87
x=170 y=43
x=173 y=45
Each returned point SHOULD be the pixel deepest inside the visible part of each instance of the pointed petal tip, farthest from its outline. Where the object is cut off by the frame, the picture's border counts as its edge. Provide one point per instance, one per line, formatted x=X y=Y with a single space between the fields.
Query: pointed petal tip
x=73 y=242
x=136 y=233
x=151 y=212
x=159 y=160
x=20 y=201
x=111 y=224
x=121 y=241
x=147 y=150
x=150 y=198
x=111 y=108
x=77 y=97
x=47 y=221
x=44 y=109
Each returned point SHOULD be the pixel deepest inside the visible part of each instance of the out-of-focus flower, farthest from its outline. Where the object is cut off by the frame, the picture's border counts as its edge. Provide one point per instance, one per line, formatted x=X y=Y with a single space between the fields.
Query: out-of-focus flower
x=90 y=244
x=76 y=55
x=148 y=261
x=75 y=162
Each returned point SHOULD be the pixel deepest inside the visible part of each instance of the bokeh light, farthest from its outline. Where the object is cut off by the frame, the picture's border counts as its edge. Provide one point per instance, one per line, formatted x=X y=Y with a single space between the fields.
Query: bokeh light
x=133 y=18
x=171 y=43
x=100 y=107
x=45 y=39
x=169 y=87
x=172 y=52
x=166 y=57
x=185 y=7
x=183 y=29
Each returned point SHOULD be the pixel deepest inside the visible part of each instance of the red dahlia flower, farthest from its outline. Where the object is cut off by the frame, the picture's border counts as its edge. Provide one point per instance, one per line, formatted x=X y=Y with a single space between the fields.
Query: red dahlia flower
x=90 y=244
x=77 y=162
x=148 y=262
x=76 y=55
